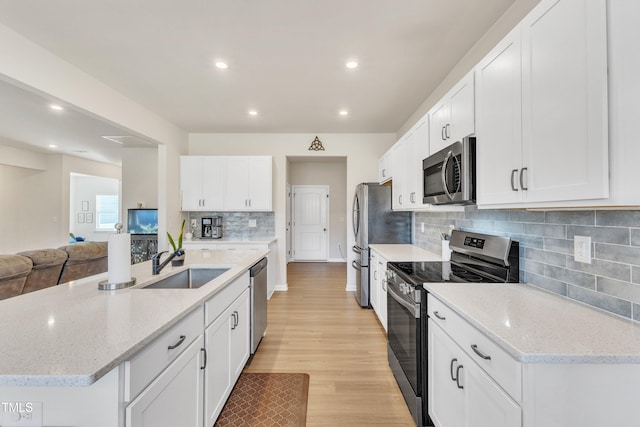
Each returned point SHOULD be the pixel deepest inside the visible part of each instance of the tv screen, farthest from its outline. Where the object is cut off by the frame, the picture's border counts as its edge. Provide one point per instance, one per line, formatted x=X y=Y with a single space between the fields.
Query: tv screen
x=143 y=221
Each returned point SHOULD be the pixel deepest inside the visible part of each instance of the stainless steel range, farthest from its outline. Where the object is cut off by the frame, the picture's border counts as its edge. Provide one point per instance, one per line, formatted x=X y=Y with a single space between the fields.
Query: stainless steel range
x=475 y=258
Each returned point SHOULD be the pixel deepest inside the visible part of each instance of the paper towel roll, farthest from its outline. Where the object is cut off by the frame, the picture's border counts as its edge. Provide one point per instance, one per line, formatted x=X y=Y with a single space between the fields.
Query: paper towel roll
x=119 y=258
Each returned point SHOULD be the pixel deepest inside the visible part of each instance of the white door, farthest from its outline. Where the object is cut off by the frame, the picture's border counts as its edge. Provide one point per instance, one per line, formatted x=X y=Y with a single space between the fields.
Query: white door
x=289 y=231
x=310 y=224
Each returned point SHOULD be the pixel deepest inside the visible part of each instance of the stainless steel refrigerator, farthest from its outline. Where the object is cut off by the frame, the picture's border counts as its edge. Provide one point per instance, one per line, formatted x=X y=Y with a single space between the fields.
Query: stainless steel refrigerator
x=374 y=222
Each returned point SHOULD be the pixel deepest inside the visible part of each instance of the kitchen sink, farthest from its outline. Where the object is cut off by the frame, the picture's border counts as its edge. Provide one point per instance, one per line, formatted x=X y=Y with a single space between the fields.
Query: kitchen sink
x=192 y=278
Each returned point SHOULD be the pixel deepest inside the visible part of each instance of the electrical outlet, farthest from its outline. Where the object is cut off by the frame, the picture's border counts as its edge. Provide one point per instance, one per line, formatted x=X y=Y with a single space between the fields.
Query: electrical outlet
x=582 y=249
x=252 y=223
x=194 y=223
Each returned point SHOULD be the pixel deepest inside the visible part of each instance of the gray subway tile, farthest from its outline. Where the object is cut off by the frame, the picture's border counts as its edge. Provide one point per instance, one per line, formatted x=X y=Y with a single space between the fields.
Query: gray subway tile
x=616 y=235
x=510 y=227
x=620 y=218
x=603 y=268
x=571 y=277
x=532 y=266
x=558 y=245
x=547 y=283
x=528 y=241
x=526 y=216
x=546 y=230
x=545 y=257
x=636 y=312
x=487 y=214
x=619 y=289
x=623 y=254
x=570 y=217
x=635 y=236
x=600 y=300
x=635 y=274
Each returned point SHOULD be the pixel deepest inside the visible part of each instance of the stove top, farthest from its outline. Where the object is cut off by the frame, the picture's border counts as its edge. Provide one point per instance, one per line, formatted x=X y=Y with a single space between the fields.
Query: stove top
x=476 y=258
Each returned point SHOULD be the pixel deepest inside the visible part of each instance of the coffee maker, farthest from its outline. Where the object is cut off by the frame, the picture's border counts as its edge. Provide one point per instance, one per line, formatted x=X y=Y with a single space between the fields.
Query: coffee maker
x=212 y=227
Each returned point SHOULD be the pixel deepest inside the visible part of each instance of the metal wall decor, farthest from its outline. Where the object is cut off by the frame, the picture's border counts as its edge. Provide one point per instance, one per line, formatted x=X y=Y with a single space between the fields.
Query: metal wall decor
x=316 y=145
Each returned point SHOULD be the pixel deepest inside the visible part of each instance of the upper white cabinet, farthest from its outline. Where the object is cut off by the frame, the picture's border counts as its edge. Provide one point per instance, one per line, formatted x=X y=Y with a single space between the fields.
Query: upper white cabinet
x=200 y=183
x=453 y=117
x=248 y=183
x=407 y=155
x=542 y=123
x=384 y=168
x=218 y=183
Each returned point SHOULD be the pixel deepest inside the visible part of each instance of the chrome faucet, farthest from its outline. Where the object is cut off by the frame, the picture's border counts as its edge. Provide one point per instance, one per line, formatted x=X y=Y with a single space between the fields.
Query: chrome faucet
x=155 y=260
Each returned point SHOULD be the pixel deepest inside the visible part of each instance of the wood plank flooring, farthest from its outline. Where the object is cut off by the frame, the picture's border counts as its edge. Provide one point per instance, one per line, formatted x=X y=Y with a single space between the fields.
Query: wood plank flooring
x=318 y=328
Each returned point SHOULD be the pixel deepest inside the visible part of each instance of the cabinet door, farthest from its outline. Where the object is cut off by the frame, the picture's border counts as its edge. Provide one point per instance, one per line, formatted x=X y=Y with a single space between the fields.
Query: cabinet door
x=217 y=377
x=174 y=398
x=409 y=184
x=384 y=171
x=237 y=193
x=446 y=399
x=419 y=150
x=438 y=120
x=374 y=279
x=564 y=116
x=462 y=110
x=213 y=183
x=397 y=184
x=240 y=338
x=191 y=182
x=498 y=120
x=260 y=183
x=382 y=298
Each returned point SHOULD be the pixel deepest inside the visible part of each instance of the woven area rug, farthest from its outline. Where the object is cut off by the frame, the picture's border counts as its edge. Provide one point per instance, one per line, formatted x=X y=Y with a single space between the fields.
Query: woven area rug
x=267 y=400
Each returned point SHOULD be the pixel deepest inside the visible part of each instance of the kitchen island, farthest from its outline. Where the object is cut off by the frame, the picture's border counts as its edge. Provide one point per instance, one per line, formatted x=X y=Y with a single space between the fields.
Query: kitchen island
x=70 y=351
x=513 y=355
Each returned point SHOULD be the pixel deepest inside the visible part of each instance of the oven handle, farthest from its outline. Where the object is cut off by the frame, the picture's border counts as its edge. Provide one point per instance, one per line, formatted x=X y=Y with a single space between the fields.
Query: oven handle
x=410 y=307
x=355 y=265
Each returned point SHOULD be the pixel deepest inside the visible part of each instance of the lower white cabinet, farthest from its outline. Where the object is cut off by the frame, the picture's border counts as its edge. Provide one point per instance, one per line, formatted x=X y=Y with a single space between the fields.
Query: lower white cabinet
x=174 y=398
x=227 y=349
x=460 y=392
x=378 y=286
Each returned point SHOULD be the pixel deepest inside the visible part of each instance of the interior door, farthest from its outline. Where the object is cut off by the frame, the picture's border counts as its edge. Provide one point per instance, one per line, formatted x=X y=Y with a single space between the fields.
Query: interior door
x=310 y=223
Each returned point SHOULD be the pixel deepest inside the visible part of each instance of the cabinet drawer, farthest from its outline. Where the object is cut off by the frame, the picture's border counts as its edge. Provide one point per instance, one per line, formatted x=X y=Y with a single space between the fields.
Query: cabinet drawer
x=500 y=365
x=217 y=304
x=154 y=358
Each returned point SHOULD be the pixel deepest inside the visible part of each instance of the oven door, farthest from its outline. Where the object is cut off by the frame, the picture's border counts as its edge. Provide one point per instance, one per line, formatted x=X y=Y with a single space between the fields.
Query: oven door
x=404 y=335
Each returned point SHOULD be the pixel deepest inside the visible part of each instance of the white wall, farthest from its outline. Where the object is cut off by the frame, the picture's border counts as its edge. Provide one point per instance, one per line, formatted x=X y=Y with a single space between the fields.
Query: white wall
x=140 y=173
x=334 y=175
x=360 y=150
x=84 y=188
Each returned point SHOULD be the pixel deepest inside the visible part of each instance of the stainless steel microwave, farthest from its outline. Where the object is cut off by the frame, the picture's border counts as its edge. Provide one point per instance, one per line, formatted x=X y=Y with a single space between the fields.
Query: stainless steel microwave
x=449 y=175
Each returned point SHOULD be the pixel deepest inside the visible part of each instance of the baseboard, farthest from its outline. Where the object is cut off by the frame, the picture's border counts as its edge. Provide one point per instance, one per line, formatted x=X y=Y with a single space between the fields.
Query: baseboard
x=336 y=260
x=283 y=287
x=350 y=288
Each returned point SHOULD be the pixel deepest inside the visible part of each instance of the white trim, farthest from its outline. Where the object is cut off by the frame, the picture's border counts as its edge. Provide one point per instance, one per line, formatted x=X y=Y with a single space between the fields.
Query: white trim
x=350 y=288
x=336 y=260
x=283 y=287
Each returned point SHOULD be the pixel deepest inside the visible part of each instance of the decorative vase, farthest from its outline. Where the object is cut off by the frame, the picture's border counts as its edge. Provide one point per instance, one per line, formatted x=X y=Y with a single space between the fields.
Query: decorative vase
x=178 y=260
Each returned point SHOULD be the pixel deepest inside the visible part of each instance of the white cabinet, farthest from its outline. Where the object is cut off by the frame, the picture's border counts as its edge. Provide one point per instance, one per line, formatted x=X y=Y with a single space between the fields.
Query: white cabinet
x=227 y=343
x=463 y=391
x=384 y=168
x=248 y=183
x=548 y=76
x=174 y=398
x=201 y=183
x=453 y=117
x=407 y=155
x=378 y=287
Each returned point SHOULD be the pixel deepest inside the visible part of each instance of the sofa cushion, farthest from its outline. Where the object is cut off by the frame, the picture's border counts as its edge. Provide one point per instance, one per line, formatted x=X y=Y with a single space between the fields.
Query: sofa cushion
x=14 y=270
x=47 y=267
x=85 y=259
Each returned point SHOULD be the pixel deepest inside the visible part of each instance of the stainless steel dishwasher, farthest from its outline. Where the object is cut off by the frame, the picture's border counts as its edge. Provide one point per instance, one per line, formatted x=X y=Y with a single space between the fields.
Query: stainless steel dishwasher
x=258 y=275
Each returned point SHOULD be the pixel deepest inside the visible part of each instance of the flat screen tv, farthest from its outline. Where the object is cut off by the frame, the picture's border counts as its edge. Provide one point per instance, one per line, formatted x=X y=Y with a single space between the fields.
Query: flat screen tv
x=143 y=221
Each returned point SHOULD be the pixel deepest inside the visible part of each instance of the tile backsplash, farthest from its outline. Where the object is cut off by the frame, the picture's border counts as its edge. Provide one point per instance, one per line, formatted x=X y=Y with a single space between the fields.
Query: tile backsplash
x=236 y=224
x=612 y=280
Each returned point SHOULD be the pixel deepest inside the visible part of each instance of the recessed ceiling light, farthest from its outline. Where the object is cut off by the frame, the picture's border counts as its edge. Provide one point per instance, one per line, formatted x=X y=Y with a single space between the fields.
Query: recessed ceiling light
x=343 y=113
x=352 y=63
x=56 y=107
x=253 y=113
x=53 y=146
x=222 y=65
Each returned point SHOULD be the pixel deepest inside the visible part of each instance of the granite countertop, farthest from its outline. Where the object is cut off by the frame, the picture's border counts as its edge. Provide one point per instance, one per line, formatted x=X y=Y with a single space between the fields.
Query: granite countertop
x=73 y=334
x=232 y=240
x=403 y=252
x=536 y=326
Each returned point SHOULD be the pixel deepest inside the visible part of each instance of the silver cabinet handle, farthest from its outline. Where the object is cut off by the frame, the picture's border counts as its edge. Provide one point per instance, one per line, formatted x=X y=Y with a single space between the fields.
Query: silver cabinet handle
x=384 y=285
x=204 y=357
x=446 y=131
x=435 y=313
x=458 y=376
x=400 y=199
x=178 y=344
x=375 y=275
x=384 y=173
x=513 y=174
x=451 y=369
x=474 y=347
x=442 y=134
x=522 y=179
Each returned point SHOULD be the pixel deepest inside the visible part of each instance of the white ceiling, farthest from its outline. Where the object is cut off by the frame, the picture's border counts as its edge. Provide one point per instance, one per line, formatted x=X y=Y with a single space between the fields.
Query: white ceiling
x=286 y=58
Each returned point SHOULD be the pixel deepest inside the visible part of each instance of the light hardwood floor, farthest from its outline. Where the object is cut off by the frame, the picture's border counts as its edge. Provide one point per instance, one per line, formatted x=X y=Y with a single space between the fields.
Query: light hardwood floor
x=318 y=328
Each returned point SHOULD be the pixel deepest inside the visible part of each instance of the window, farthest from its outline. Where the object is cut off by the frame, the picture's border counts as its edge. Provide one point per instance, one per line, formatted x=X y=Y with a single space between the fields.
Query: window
x=107 y=209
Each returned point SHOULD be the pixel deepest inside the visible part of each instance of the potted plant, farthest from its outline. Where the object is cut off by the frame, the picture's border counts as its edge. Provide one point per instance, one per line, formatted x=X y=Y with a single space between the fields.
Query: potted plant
x=177 y=249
